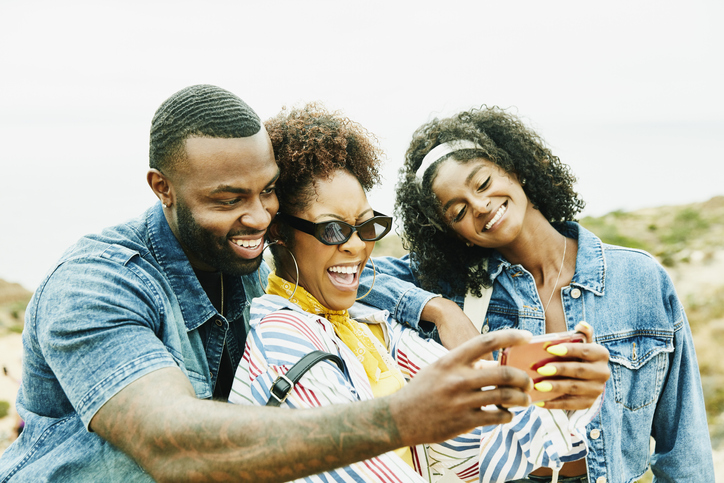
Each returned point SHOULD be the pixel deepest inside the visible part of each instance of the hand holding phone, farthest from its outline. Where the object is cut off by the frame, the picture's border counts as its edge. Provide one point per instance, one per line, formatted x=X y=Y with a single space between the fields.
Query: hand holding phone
x=534 y=355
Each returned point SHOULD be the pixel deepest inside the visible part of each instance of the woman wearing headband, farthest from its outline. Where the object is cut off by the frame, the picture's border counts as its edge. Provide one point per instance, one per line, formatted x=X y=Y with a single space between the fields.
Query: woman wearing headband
x=323 y=235
x=483 y=202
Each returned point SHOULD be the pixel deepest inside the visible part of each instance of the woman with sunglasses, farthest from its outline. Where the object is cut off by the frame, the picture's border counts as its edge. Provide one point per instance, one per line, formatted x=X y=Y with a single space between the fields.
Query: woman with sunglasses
x=320 y=240
x=487 y=208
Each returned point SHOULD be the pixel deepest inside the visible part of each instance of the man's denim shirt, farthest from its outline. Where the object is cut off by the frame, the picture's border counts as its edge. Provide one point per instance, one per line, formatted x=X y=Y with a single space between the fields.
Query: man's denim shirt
x=117 y=306
x=630 y=301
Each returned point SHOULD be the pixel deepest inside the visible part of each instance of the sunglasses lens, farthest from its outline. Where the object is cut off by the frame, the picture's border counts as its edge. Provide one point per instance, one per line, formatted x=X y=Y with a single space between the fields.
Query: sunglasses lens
x=336 y=233
x=373 y=229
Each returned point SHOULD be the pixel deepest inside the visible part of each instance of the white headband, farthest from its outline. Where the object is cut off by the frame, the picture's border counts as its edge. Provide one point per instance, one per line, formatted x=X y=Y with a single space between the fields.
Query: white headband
x=443 y=150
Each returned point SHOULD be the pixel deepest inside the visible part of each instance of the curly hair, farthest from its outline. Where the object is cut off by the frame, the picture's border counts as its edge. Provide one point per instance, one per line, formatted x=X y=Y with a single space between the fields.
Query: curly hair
x=443 y=261
x=201 y=110
x=310 y=144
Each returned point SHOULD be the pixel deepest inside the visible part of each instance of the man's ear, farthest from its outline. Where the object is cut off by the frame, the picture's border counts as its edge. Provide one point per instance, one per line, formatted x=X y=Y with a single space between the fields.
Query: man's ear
x=161 y=187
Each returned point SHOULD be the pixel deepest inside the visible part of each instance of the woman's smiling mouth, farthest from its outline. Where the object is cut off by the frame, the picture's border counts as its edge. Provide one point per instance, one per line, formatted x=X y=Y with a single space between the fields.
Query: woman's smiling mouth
x=501 y=211
x=344 y=277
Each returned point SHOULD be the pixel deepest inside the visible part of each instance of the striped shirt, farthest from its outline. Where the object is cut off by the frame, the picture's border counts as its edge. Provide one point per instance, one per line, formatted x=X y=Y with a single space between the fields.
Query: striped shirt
x=281 y=334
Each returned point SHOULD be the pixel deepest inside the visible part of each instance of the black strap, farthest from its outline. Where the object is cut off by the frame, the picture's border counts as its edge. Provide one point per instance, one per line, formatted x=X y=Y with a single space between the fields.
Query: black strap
x=285 y=383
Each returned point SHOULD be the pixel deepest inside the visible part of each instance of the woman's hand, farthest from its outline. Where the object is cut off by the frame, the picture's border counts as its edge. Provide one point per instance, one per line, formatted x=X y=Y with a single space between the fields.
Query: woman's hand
x=584 y=379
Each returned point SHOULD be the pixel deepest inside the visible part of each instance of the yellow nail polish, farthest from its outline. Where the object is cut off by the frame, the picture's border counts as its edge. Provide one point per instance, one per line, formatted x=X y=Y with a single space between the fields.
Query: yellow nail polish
x=540 y=404
x=544 y=386
x=558 y=350
x=547 y=370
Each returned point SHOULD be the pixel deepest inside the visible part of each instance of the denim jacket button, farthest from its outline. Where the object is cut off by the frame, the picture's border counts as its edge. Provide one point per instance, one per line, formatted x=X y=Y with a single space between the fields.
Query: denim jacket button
x=485 y=329
x=219 y=323
x=595 y=434
x=575 y=293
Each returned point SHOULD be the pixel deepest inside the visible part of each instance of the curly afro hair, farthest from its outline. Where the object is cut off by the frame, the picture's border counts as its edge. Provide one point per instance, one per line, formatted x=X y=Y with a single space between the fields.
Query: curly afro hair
x=443 y=261
x=310 y=144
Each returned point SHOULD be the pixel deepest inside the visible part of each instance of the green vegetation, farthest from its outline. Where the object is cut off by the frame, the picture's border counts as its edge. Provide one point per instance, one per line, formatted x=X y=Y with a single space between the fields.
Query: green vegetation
x=4 y=409
x=607 y=229
x=688 y=223
x=671 y=233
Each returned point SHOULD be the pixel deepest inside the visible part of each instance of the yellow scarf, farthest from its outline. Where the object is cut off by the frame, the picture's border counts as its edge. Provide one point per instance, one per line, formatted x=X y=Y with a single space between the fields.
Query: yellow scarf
x=382 y=371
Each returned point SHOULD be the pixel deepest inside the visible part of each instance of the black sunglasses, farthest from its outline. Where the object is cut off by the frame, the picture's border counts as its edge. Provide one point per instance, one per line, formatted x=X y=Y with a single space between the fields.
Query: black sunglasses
x=337 y=232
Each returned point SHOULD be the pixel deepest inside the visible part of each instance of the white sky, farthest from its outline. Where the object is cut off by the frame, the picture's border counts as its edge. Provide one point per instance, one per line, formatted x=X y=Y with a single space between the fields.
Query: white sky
x=628 y=93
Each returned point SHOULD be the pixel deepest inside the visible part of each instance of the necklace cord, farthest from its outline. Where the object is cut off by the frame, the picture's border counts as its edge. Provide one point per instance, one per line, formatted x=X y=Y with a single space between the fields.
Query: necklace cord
x=560 y=270
x=222 y=295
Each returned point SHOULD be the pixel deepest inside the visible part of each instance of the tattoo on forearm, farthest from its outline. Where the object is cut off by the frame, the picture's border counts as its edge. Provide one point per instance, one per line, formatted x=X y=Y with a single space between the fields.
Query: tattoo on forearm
x=214 y=440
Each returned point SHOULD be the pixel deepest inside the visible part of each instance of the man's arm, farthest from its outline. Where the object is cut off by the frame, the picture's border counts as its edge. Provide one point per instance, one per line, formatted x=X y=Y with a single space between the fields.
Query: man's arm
x=158 y=421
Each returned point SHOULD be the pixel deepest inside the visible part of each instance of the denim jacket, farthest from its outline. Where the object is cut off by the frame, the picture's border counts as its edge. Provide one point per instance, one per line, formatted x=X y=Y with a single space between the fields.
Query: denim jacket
x=116 y=307
x=654 y=389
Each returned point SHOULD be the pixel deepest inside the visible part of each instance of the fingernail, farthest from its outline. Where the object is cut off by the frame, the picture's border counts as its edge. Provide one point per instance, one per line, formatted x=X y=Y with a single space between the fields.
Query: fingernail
x=540 y=404
x=544 y=386
x=585 y=324
x=558 y=350
x=547 y=370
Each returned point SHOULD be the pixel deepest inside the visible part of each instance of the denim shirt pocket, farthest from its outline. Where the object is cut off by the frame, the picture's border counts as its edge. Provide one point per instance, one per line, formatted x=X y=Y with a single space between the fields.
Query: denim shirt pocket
x=639 y=361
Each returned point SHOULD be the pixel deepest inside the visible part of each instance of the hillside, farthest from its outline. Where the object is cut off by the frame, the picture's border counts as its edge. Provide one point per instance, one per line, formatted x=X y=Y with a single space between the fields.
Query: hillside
x=13 y=299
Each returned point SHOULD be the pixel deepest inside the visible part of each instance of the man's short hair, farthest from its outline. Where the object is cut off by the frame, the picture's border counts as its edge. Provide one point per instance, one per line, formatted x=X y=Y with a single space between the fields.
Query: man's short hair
x=197 y=111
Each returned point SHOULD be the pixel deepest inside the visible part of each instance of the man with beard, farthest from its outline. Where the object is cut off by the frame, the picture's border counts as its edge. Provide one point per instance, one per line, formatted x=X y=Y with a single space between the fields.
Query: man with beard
x=131 y=342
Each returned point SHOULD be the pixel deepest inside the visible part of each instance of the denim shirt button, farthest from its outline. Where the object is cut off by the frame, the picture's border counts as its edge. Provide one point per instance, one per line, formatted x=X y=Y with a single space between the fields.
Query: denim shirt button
x=595 y=433
x=601 y=479
x=575 y=293
x=485 y=329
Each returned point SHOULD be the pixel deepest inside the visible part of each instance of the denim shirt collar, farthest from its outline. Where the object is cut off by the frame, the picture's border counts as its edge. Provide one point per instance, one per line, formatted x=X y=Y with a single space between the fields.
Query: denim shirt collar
x=590 y=261
x=193 y=301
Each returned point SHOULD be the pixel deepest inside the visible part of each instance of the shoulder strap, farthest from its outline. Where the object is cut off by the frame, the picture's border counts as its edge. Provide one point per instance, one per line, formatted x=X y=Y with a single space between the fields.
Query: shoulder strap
x=477 y=307
x=285 y=383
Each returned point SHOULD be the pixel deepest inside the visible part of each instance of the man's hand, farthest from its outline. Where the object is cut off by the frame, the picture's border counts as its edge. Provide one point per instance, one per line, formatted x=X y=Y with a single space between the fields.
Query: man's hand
x=454 y=327
x=445 y=398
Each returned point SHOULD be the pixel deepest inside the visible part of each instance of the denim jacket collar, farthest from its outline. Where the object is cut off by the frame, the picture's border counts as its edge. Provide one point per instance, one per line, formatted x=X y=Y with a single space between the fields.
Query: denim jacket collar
x=195 y=305
x=590 y=261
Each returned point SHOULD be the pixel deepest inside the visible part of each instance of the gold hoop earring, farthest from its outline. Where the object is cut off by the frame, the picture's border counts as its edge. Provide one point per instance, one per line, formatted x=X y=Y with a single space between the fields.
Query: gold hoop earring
x=374 y=276
x=296 y=267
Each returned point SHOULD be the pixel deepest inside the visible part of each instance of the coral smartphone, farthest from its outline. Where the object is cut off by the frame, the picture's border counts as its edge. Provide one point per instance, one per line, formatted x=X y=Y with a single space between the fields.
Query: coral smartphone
x=529 y=357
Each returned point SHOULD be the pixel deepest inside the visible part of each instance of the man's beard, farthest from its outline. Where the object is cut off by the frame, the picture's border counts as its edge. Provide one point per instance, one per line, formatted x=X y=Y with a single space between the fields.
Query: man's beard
x=210 y=249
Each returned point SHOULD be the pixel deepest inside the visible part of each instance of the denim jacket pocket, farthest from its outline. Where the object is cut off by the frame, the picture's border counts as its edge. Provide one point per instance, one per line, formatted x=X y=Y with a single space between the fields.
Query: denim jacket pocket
x=639 y=361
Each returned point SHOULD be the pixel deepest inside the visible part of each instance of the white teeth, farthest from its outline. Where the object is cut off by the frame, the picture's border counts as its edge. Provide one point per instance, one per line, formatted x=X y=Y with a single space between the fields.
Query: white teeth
x=497 y=216
x=248 y=243
x=344 y=269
